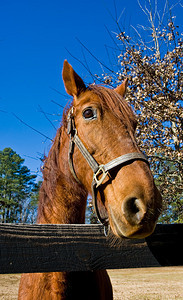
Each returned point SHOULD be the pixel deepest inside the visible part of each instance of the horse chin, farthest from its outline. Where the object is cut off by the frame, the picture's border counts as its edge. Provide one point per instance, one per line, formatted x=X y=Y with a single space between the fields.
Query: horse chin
x=137 y=233
x=122 y=229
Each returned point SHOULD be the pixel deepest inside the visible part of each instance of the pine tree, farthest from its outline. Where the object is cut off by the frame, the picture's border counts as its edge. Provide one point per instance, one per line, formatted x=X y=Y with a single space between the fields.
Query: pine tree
x=16 y=186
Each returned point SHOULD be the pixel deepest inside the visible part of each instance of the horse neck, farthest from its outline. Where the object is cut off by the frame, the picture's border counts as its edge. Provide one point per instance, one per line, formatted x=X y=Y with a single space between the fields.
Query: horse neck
x=61 y=199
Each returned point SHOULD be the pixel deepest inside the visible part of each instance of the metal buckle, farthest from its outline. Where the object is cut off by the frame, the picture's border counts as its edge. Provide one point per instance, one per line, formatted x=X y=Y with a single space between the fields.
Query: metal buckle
x=101 y=171
x=71 y=129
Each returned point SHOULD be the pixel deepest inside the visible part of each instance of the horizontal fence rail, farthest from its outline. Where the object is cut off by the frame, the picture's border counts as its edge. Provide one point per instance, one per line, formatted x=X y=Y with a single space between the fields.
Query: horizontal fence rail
x=49 y=248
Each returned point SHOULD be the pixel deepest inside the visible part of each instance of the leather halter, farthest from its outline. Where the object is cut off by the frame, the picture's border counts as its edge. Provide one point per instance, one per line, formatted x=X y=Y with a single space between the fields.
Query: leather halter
x=99 y=171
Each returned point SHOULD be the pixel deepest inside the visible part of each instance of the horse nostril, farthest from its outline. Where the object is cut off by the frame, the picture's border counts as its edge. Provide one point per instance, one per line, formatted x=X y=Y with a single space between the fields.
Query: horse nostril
x=134 y=210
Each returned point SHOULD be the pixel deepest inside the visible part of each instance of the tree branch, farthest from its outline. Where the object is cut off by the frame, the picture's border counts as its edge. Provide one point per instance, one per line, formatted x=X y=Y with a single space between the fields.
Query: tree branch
x=31 y=127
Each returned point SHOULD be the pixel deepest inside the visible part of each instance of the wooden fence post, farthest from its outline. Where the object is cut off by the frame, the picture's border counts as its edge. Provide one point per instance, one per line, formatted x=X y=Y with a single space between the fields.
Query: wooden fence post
x=48 y=248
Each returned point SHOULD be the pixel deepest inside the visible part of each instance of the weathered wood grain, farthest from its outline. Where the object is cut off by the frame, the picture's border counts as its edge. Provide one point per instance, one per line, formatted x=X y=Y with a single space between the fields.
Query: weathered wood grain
x=46 y=248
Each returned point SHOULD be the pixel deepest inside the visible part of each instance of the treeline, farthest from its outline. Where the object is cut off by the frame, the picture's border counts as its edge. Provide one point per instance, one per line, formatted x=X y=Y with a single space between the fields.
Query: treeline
x=18 y=189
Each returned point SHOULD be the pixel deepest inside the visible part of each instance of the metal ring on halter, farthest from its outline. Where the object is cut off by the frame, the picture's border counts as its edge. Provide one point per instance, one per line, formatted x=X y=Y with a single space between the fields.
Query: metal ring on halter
x=106 y=229
x=101 y=171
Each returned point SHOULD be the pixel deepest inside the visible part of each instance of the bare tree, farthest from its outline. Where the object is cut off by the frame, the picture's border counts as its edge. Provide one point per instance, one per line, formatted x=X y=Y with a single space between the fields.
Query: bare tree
x=154 y=67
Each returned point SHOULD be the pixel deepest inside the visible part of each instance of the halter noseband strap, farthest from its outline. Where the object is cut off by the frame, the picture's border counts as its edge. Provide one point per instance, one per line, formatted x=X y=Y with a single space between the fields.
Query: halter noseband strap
x=99 y=171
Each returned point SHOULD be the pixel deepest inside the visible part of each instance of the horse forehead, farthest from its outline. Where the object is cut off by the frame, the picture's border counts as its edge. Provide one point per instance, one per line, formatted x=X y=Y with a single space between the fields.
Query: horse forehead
x=97 y=97
x=87 y=97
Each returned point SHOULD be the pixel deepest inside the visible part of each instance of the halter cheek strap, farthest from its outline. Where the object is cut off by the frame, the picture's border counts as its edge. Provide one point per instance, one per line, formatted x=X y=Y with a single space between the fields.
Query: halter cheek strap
x=99 y=171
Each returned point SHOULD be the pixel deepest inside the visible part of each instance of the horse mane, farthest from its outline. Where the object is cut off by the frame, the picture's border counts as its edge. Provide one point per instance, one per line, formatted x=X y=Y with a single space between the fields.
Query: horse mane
x=54 y=176
x=51 y=162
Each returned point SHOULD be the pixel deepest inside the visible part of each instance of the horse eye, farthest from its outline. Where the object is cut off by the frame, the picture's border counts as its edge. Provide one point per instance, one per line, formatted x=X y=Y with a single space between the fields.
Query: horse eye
x=89 y=114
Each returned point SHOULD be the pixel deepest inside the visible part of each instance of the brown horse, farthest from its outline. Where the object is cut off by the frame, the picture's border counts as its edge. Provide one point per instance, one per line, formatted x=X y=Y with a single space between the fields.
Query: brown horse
x=97 y=134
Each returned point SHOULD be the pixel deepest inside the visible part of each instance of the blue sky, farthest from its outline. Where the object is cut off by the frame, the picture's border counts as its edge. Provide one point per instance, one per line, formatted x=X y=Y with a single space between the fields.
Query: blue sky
x=34 y=36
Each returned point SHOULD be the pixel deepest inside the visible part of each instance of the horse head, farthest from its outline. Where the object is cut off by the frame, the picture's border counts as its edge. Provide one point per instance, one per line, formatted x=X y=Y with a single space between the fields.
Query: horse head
x=105 y=125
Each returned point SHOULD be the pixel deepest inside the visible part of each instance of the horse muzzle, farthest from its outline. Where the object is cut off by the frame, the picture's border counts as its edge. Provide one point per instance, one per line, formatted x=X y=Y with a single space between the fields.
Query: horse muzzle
x=135 y=220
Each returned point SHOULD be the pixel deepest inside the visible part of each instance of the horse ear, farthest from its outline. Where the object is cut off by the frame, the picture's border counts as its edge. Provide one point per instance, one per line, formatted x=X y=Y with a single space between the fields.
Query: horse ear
x=74 y=85
x=121 y=89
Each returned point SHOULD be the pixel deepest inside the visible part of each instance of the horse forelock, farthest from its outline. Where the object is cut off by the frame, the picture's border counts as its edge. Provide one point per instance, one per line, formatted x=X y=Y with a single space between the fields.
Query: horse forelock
x=111 y=100
x=116 y=104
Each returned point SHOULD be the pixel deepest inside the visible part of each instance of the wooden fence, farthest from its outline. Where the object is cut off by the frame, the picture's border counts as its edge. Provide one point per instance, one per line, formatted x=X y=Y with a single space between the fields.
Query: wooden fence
x=47 y=248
